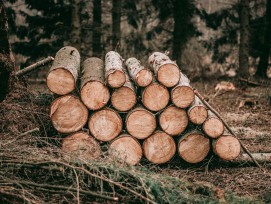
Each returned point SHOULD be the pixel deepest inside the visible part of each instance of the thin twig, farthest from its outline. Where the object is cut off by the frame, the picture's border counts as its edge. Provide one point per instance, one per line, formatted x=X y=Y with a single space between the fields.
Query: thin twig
x=226 y=125
x=78 y=187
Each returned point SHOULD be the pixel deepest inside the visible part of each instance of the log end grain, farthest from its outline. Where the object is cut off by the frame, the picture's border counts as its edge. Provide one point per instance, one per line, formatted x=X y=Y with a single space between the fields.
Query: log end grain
x=144 y=78
x=60 y=81
x=116 y=79
x=127 y=149
x=95 y=95
x=68 y=114
x=197 y=114
x=140 y=123
x=168 y=75
x=182 y=96
x=213 y=127
x=173 y=120
x=105 y=124
x=81 y=146
x=227 y=147
x=193 y=147
x=123 y=99
x=155 y=97
x=159 y=148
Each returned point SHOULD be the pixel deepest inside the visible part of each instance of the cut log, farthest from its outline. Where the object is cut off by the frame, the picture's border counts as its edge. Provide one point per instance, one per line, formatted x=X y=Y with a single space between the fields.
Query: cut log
x=140 y=75
x=140 y=123
x=68 y=114
x=126 y=148
x=114 y=74
x=155 y=97
x=193 y=147
x=197 y=113
x=94 y=93
x=166 y=71
x=227 y=147
x=63 y=74
x=81 y=146
x=213 y=126
x=105 y=124
x=173 y=120
x=124 y=98
x=182 y=95
x=159 y=148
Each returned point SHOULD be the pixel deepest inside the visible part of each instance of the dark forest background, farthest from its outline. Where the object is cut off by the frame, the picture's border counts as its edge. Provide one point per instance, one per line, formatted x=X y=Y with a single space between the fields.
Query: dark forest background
x=205 y=37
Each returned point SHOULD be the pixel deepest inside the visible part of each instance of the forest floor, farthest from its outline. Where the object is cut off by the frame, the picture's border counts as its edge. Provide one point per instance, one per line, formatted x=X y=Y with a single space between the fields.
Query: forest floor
x=247 y=109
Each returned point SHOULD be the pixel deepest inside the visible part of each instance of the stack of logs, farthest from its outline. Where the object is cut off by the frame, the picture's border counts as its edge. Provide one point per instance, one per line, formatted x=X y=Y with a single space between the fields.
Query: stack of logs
x=134 y=109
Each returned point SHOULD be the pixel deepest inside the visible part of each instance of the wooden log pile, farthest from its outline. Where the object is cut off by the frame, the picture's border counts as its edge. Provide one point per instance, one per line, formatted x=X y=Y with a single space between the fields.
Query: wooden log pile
x=136 y=110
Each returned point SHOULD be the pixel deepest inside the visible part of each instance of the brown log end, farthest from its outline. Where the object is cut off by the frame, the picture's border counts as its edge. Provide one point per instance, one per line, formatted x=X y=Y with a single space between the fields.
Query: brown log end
x=155 y=97
x=105 y=124
x=60 y=81
x=116 y=79
x=193 y=147
x=182 y=96
x=140 y=123
x=144 y=78
x=173 y=120
x=168 y=75
x=127 y=149
x=213 y=127
x=159 y=148
x=68 y=114
x=80 y=146
x=227 y=147
x=197 y=114
x=95 y=95
x=123 y=99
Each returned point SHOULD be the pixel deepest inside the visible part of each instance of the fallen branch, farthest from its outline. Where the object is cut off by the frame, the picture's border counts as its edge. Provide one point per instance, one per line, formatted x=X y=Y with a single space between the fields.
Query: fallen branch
x=34 y=66
x=226 y=125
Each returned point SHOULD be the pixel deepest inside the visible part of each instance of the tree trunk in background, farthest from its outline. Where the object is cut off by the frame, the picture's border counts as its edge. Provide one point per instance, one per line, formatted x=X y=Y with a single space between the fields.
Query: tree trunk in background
x=6 y=57
x=76 y=25
x=116 y=15
x=244 y=39
x=97 y=20
x=264 y=57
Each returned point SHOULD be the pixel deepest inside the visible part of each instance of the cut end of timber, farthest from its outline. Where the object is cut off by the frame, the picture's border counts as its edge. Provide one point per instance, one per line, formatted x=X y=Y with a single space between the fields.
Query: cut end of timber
x=60 y=81
x=227 y=147
x=123 y=99
x=159 y=148
x=155 y=97
x=193 y=147
x=144 y=78
x=140 y=123
x=105 y=124
x=168 y=75
x=127 y=149
x=213 y=127
x=68 y=114
x=173 y=120
x=182 y=96
x=116 y=79
x=95 y=95
x=80 y=146
x=198 y=114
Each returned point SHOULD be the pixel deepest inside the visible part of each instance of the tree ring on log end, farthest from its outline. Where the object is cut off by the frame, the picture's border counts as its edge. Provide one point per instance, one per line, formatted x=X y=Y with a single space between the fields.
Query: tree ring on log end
x=116 y=79
x=123 y=99
x=213 y=127
x=182 y=96
x=168 y=75
x=197 y=114
x=144 y=78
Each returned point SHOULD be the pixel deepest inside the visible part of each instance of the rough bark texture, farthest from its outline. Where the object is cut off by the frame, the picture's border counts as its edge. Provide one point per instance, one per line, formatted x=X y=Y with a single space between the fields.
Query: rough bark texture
x=126 y=148
x=94 y=93
x=76 y=25
x=116 y=17
x=193 y=147
x=213 y=126
x=166 y=71
x=140 y=123
x=159 y=148
x=141 y=76
x=63 y=74
x=68 y=114
x=244 y=39
x=197 y=113
x=114 y=72
x=97 y=29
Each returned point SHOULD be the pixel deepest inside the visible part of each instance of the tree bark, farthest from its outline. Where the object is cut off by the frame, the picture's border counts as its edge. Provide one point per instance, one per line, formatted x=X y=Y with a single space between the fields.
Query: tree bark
x=76 y=25
x=116 y=19
x=97 y=28
x=265 y=52
x=244 y=39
